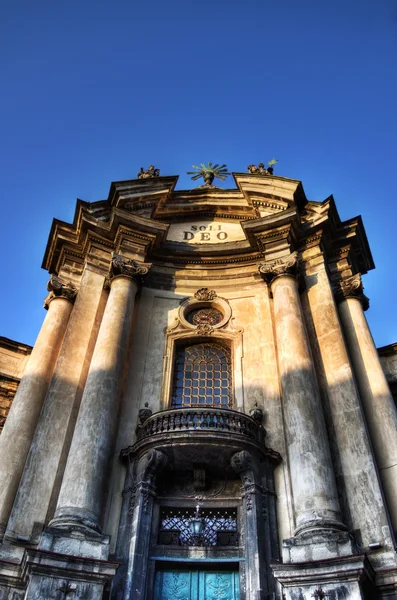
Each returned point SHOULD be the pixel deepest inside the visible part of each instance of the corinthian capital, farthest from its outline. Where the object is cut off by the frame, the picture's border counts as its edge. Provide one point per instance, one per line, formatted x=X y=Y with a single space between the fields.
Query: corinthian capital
x=127 y=267
x=59 y=289
x=282 y=266
x=351 y=287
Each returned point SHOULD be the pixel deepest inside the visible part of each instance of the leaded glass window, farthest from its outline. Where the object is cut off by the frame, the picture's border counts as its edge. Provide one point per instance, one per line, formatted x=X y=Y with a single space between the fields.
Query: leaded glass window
x=202 y=376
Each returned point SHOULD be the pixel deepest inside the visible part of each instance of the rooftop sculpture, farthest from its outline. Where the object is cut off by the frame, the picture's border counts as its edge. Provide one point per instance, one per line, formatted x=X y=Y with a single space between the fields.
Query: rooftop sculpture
x=208 y=173
x=150 y=172
x=261 y=169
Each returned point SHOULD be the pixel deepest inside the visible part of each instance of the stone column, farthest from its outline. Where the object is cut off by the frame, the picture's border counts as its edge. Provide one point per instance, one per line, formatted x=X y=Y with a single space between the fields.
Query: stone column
x=379 y=407
x=48 y=451
x=258 y=583
x=354 y=464
x=313 y=483
x=25 y=410
x=141 y=511
x=81 y=495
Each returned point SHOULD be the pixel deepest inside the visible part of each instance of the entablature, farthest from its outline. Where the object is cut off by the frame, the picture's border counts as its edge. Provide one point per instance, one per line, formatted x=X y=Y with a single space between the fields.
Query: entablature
x=273 y=214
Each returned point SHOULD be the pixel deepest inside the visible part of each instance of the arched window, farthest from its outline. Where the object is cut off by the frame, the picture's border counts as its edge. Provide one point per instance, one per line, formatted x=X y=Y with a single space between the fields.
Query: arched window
x=202 y=376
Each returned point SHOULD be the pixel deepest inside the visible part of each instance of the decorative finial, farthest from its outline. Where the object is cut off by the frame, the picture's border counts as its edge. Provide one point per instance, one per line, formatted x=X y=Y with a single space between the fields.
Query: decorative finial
x=261 y=169
x=149 y=173
x=208 y=173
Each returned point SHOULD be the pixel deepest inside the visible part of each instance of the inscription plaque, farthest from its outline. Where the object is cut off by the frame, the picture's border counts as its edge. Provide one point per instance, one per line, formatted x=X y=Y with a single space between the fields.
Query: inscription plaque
x=205 y=232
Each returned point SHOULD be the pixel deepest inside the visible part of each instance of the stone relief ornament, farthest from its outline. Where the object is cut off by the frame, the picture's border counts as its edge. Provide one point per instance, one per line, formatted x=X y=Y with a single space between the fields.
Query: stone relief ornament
x=205 y=316
x=241 y=461
x=149 y=173
x=204 y=294
x=204 y=329
x=59 y=289
x=352 y=287
x=127 y=267
x=281 y=266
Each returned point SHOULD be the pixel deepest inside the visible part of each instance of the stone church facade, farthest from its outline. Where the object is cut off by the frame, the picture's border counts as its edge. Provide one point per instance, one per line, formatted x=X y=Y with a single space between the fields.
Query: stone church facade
x=204 y=414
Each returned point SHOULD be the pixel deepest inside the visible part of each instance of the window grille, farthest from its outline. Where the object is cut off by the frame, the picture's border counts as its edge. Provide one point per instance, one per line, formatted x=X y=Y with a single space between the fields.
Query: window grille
x=202 y=376
x=220 y=527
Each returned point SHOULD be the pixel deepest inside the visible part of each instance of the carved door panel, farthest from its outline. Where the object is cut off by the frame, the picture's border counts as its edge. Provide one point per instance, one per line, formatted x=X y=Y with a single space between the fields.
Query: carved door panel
x=176 y=585
x=215 y=585
x=196 y=585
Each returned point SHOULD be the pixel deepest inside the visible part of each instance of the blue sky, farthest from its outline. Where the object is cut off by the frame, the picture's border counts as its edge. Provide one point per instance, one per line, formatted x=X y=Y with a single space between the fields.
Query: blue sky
x=93 y=90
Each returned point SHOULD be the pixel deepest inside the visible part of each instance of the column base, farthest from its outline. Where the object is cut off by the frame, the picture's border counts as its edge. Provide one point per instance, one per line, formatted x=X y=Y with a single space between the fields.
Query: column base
x=49 y=574
x=75 y=543
x=78 y=519
x=350 y=578
x=322 y=544
x=68 y=562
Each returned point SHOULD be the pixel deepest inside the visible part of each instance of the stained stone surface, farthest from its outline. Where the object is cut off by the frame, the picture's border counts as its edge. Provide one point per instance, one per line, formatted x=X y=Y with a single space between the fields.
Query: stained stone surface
x=310 y=480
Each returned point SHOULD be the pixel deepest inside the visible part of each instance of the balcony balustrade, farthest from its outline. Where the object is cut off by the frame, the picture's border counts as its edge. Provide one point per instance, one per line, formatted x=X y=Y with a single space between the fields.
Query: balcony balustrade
x=200 y=420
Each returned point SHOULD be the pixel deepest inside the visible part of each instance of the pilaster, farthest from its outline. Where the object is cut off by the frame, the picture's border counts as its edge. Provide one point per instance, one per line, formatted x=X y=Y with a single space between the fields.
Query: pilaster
x=259 y=582
x=140 y=508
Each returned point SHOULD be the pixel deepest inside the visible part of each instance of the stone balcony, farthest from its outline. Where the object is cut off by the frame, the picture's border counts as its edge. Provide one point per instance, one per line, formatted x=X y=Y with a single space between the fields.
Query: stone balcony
x=198 y=433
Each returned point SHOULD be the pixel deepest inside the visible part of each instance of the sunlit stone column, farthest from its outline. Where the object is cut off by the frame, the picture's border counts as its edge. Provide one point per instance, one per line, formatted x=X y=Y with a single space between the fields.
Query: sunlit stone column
x=313 y=483
x=379 y=407
x=48 y=451
x=22 y=419
x=354 y=463
x=81 y=495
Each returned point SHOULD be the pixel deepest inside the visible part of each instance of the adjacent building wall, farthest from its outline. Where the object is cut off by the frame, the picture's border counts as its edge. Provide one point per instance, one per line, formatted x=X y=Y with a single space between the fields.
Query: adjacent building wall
x=13 y=359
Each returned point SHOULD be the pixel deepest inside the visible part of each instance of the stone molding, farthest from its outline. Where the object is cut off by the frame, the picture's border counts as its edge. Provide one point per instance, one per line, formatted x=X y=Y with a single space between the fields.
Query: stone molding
x=125 y=267
x=203 y=298
x=59 y=288
x=352 y=287
x=282 y=266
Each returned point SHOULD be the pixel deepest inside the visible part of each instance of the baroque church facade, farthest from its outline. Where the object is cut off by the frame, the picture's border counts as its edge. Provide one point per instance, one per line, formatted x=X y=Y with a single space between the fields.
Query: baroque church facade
x=204 y=414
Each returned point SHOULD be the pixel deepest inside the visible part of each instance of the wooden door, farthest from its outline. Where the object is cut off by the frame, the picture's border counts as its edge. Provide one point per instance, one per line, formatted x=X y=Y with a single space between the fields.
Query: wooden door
x=196 y=584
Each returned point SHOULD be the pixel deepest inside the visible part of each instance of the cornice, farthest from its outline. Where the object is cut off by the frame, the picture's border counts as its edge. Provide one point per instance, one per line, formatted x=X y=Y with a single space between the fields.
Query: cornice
x=14 y=346
x=135 y=189
x=294 y=223
x=78 y=236
x=282 y=190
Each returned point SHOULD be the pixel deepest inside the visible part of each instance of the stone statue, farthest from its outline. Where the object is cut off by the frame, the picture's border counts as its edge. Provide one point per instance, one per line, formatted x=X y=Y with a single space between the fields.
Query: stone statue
x=150 y=172
x=261 y=169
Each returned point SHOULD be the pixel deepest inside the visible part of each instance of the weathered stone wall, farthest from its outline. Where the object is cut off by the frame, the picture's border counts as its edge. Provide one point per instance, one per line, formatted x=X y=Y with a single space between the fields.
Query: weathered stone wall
x=251 y=312
x=13 y=359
